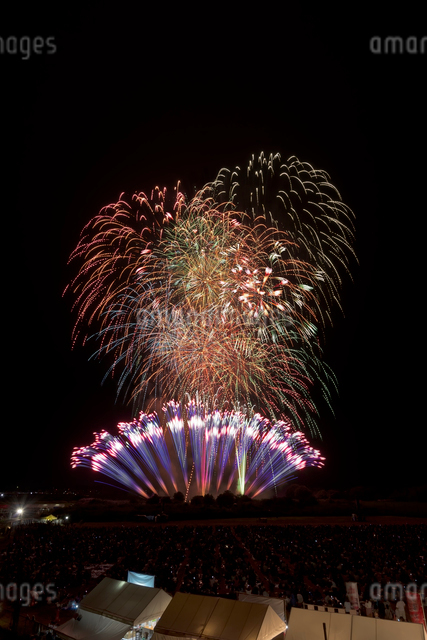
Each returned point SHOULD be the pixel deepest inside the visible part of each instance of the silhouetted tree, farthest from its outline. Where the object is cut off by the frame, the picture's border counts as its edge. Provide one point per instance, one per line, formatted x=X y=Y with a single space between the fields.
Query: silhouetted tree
x=225 y=499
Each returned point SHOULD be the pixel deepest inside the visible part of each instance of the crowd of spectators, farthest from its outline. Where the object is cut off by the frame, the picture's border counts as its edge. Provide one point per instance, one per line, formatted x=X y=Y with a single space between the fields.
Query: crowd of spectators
x=315 y=562
x=301 y=564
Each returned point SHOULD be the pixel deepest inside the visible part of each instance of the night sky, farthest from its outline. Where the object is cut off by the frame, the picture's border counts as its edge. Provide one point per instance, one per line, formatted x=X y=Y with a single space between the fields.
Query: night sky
x=132 y=99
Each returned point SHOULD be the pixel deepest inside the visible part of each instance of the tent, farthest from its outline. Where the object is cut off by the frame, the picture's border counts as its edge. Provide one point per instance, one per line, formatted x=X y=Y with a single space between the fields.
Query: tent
x=125 y=604
x=277 y=604
x=307 y=624
x=125 y=601
x=210 y=618
x=92 y=625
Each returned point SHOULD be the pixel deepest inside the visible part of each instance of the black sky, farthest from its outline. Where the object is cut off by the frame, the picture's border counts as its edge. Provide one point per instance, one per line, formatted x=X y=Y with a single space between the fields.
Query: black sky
x=133 y=98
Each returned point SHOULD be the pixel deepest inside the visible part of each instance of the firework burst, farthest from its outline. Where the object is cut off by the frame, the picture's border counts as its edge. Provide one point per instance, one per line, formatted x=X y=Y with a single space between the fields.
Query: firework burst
x=112 y=248
x=204 y=304
x=294 y=196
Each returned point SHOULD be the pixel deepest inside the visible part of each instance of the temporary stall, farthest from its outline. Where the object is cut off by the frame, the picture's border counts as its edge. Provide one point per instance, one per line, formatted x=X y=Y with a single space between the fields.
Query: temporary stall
x=91 y=625
x=129 y=605
x=277 y=604
x=125 y=601
x=318 y=625
x=193 y=616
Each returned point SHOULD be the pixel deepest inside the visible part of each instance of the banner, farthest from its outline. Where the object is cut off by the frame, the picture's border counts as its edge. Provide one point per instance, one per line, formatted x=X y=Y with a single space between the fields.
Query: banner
x=353 y=595
x=143 y=579
x=415 y=607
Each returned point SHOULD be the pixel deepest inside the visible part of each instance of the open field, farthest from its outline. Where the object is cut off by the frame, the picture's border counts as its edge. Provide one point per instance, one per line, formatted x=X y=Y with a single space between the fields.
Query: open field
x=279 y=521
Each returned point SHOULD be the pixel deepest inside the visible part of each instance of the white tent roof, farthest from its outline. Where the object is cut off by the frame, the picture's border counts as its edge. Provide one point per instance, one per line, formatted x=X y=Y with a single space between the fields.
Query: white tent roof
x=92 y=625
x=277 y=604
x=128 y=603
x=305 y=624
x=193 y=616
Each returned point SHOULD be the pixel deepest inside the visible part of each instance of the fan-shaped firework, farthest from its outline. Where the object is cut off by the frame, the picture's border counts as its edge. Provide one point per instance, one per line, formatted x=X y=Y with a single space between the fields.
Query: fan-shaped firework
x=215 y=299
x=221 y=449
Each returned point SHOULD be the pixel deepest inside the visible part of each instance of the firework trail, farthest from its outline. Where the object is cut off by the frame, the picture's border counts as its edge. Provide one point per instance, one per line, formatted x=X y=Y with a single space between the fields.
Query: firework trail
x=225 y=448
